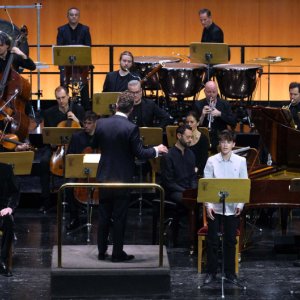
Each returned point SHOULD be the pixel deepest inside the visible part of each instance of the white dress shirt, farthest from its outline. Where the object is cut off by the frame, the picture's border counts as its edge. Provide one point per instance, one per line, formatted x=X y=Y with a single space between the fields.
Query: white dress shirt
x=217 y=167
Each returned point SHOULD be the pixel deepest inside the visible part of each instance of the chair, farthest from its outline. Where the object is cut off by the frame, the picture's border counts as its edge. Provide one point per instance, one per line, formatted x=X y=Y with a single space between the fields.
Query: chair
x=171 y=135
x=202 y=233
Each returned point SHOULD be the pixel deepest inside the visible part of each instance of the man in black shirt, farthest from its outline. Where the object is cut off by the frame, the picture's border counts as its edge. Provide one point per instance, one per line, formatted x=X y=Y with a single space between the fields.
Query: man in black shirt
x=145 y=112
x=178 y=166
x=81 y=142
x=294 y=91
x=52 y=117
x=75 y=33
x=212 y=33
x=117 y=81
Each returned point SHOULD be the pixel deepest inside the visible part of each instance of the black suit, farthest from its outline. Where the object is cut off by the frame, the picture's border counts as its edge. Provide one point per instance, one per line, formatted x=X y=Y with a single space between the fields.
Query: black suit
x=212 y=34
x=8 y=198
x=147 y=113
x=220 y=123
x=119 y=142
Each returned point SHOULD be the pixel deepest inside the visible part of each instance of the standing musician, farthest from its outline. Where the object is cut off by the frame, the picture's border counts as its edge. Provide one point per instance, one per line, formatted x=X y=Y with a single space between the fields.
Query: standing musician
x=52 y=117
x=117 y=81
x=215 y=113
x=75 y=33
x=145 y=112
x=81 y=142
x=294 y=106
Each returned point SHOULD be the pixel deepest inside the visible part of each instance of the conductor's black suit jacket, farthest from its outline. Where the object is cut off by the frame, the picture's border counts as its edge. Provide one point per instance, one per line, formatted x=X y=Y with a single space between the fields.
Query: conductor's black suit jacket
x=119 y=142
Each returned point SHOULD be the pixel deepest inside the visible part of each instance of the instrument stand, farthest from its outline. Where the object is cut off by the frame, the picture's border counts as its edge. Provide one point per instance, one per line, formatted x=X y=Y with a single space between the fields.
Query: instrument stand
x=89 y=210
x=216 y=191
x=76 y=167
x=149 y=136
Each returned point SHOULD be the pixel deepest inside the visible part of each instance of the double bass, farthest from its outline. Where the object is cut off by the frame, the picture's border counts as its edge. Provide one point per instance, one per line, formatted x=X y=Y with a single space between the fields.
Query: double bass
x=15 y=91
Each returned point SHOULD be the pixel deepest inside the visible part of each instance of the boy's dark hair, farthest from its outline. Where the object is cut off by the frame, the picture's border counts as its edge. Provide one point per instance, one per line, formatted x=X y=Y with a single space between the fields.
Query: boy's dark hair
x=227 y=135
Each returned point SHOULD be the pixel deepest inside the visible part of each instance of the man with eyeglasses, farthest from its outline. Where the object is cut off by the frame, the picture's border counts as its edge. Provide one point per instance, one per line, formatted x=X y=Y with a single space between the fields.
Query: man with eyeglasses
x=117 y=81
x=145 y=112
x=75 y=33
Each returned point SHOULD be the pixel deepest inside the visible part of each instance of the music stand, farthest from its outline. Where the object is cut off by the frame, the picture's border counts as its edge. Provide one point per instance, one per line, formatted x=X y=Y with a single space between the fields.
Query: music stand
x=21 y=162
x=83 y=166
x=216 y=190
x=104 y=104
x=72 y=55
x=209 y=53
x=150 y=136
x=58 y=135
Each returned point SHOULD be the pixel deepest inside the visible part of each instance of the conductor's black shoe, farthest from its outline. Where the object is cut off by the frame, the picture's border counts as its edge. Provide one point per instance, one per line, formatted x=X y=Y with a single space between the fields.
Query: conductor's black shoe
x=232 y=277
x=4 y=270
x=121 y=258
x=102 y=256
x=296 y=263
x=209 y=278
x=74 y=223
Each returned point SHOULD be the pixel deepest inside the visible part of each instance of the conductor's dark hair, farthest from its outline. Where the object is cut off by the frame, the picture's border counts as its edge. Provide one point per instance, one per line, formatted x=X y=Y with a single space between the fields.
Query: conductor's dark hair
x=227 y=135
x=182 y=128
x=4 y=39
x=125 y=102
x=205 y=11
x=294 y=85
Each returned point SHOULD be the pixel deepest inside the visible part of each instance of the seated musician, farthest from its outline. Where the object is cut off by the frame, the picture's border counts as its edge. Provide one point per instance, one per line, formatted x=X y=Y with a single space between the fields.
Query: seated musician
x=199 y=144
x=20 y=58
x=75 y=33
x=81 y=142
x=117 y=81
x=53 y=116
x=294 y=106
x=215 y=113
x=178 y=167
x=225 y=164
x=145 y=112
x=8 y=203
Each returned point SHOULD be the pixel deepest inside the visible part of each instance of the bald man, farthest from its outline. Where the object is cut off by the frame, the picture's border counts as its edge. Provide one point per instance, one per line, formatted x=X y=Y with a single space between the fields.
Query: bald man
x=215 y=113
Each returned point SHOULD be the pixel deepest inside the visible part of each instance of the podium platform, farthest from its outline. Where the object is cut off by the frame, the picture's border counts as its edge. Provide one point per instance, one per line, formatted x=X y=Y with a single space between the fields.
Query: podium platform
x=83 y=275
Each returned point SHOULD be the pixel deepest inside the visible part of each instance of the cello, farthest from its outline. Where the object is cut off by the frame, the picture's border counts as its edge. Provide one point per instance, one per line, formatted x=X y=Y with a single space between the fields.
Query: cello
x=15 y=91
x=57 y=161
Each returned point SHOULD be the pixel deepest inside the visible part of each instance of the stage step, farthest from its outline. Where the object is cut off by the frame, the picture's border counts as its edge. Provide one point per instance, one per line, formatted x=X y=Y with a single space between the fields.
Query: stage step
x=83 y=275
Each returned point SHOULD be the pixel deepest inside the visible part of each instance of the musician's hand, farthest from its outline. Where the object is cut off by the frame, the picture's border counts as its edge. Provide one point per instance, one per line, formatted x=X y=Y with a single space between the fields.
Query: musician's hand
x=72 y=116
x=206 y=110
x=23 y=147
x=237 y=212
x=5 y=211
x=8 y=119
x=216 y=113
x=210 y=213
x=17 y=51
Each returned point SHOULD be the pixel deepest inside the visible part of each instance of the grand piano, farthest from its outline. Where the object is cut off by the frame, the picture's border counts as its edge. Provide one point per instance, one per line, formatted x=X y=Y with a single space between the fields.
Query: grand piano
x=270 y=184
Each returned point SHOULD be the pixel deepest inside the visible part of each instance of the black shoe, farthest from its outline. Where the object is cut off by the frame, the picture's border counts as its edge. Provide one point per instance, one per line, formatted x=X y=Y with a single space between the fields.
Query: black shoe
x=209 y=278
x=4 y=270
x=74 y=223
x=102 y=256
x=233 y=278
x=123 y=257
x=296 y=263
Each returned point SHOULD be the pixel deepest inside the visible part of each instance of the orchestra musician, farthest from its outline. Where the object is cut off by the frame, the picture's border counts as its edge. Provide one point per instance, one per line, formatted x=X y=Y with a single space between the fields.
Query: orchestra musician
x=215 y=113
x=225 y=164
x=119 y=142
x=117 y=81
x=81 y=142
x=294 y=106
x=9 y=197
x=52 y=117
x=75 y=33
x=146 y=112
x=199 y=144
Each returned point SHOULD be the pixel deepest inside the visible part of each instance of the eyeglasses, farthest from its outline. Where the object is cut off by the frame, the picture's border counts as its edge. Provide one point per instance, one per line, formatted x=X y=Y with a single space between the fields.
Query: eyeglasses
x=136 y=93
